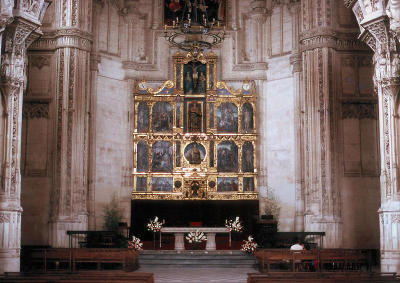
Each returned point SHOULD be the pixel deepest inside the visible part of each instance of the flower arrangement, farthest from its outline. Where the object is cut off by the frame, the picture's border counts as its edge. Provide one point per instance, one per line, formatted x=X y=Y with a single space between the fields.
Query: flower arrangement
x=249 y=245
x=196 y=237
x=234 y=225
x=135 y=244
x=154 y=225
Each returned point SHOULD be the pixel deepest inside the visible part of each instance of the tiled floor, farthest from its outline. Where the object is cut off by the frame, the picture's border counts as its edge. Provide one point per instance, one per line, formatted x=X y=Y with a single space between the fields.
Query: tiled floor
x=198 y=275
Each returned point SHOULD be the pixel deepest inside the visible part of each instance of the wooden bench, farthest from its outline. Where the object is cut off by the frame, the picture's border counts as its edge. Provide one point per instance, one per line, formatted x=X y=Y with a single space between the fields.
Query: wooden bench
x=69 y=258
x=323 y=277
x=315 y=260
x=81 y=277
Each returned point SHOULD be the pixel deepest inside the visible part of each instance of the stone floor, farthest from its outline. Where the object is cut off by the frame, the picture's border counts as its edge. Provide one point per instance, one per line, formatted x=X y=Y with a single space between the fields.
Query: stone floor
x=198 y=275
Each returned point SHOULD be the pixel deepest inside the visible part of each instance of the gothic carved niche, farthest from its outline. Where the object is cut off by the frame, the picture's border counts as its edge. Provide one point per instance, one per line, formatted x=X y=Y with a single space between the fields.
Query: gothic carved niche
x=40 y=61
x=35 y=110
x=32 y=7
x=359 y=111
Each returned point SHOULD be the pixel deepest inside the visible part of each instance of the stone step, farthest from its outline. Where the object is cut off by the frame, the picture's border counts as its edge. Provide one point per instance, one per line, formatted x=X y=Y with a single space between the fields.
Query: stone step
x=196 y=258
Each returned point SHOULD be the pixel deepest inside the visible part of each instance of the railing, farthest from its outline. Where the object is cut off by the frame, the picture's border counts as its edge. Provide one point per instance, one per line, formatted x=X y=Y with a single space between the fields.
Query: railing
x=312 y=240
x=94 y=239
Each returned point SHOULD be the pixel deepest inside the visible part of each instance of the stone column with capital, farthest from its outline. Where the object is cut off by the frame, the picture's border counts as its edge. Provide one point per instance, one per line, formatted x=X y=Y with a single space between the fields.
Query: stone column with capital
x=379 y=29
x=321 y=197
x=69 y=203
x=20 y=27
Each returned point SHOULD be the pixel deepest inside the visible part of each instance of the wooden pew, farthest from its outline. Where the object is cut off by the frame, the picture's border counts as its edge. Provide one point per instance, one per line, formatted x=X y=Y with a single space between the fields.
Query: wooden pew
x=81 y=277
x=315 y=260
x=323 y=277
x=69 y=258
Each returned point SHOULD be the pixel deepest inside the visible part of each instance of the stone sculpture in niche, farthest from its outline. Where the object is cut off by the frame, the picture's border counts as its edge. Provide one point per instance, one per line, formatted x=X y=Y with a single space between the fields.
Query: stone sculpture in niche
x=194 y=117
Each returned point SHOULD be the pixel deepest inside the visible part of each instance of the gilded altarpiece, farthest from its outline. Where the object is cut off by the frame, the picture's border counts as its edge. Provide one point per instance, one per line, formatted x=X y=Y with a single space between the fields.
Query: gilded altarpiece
x=195 y=138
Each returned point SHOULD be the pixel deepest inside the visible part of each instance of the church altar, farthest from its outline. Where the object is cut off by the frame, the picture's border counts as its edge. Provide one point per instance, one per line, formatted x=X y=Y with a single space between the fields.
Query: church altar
x=209 y=231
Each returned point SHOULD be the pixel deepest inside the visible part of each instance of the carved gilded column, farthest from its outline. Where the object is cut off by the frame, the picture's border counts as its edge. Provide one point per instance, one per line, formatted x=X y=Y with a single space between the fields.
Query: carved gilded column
x=379 y=22
x=16 y=38
x=321 y=192
x=69 y=204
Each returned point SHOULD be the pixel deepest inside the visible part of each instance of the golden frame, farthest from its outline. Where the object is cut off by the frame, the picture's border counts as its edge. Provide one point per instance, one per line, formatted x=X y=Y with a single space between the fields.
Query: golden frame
x=196 y=180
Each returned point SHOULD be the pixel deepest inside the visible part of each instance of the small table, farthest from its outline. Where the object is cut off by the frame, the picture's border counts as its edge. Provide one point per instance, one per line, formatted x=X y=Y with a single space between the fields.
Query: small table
x=210 y=232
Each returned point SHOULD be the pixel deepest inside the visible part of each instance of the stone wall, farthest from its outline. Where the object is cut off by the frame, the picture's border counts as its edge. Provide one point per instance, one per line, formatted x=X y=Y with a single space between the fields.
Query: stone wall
x=262 y=44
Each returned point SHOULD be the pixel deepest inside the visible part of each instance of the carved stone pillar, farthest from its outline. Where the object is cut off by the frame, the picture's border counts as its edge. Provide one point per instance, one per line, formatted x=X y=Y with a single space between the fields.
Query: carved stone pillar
x=16 y=38
x=296 y=62
x=379 y=25
x=69 y=208
x=321 y=193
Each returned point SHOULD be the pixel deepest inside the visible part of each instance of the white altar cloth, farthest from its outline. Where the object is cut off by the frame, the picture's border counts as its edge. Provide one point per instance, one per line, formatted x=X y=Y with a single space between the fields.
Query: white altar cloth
x=210 y=232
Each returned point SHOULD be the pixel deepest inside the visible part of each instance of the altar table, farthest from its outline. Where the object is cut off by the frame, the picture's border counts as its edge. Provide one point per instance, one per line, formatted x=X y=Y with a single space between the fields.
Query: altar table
x=179 y=233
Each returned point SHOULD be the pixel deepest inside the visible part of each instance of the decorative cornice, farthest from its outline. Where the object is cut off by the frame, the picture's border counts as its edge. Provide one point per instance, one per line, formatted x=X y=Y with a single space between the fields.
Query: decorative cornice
x=318 y=38
x=64 y=38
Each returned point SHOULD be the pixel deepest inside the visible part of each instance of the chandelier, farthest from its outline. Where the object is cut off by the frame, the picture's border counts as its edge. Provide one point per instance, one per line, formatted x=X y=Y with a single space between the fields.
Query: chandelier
x=193 y=30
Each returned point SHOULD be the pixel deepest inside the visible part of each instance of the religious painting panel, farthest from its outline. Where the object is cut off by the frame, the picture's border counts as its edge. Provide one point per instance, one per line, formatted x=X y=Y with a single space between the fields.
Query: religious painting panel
x=248 y=184
x=162 y=156
x=247 y=118
x=142 y=163
x=141 y=184
x=211 y=107
x=216 y=11
x=162 y=117
x=227 y=118
x=195 y=113
x=162 y=184
x=178 y=114
x=227 y=157
x=142 y=117
x=195 y=153
x=194 y=78
x=227 y=184
x=248 y=157
x=211 y=154
x=178 y=154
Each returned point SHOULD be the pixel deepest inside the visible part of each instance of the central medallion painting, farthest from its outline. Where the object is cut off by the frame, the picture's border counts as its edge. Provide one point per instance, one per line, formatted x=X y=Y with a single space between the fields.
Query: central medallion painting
x=195 y=138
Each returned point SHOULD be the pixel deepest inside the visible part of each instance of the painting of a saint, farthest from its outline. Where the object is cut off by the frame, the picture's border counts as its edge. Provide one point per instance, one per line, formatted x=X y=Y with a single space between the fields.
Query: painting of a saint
x=227 y=118
x=141 y=184
x=195 y=115
x=247 y=118
x=227 y=157
x=161 y=184
x=143 y=117
x=142 y=161
x=162 y=117
x=194 y=78
x=248 y=184
x=248 y=157
x=162 y=157
x=216 y=11
x=227 y=184
x=195 y=153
